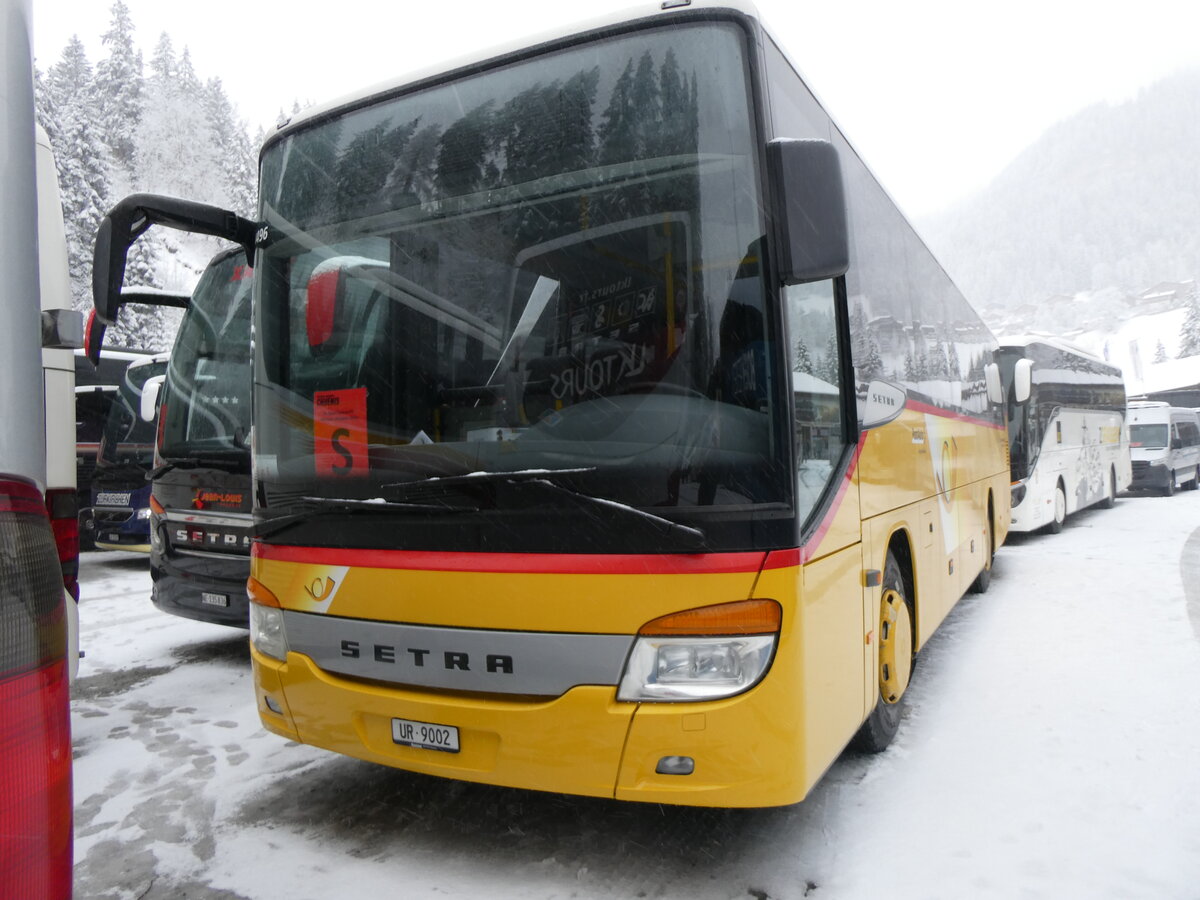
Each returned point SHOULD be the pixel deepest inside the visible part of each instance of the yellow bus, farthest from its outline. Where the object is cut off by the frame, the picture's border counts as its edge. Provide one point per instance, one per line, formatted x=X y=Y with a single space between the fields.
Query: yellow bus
x=614 y=434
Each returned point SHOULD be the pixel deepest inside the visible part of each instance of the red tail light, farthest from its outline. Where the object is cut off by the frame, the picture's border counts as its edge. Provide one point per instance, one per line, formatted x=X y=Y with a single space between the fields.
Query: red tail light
x=35 y=731
x=63 y=506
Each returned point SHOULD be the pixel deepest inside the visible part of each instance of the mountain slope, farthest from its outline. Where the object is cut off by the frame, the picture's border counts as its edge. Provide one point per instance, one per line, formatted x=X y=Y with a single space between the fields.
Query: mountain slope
x=1109 y=198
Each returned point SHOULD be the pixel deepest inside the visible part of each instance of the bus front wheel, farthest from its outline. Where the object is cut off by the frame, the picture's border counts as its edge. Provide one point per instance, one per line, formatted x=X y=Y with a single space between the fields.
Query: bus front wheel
x=895 y=661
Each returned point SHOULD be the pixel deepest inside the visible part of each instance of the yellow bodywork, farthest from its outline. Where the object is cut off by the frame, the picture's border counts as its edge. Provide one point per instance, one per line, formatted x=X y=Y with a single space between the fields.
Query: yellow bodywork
x=921 y=480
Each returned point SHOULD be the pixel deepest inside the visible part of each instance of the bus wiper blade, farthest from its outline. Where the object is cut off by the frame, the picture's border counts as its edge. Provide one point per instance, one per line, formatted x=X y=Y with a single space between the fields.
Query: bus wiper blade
x=440 y=485
x=324 y=506
x=168 y=466
x=690 y=537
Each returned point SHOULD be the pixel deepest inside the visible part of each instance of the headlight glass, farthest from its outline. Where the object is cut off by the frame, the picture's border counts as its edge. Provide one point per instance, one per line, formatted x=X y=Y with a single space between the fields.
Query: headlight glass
x=143 y=512
x=266 y=631
x=694 y=668
x=1018 y=494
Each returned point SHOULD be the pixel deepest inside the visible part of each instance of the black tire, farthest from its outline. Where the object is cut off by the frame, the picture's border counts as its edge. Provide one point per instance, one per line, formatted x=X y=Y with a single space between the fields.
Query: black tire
x=1060 y=509
x=1194 y=482
x=894 y=644
x=1110 y=499
x=984 y=579
x=1169 y=489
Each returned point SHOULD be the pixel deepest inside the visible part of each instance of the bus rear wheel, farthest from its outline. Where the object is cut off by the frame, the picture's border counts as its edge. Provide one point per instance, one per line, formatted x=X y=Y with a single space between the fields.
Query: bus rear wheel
x=1060 y=509
x=1110 y=499
x=984 y=579
x=895 y=661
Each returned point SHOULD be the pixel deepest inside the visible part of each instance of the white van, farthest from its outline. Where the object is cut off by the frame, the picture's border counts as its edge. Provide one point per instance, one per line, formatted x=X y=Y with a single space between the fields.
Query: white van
x=1164 y=445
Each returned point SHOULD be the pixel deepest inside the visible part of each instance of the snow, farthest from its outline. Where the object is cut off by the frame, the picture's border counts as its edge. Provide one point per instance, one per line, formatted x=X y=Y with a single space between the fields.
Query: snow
x=1048 y=751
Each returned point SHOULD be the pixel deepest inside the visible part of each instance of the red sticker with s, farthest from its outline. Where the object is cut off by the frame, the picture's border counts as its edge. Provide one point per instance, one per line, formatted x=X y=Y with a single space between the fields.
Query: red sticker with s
x=340 y=433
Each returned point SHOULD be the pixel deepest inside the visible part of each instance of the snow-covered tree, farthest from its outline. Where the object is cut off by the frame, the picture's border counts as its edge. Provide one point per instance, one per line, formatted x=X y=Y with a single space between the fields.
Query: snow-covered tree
x=176 y=149
x=1189 y=334
x=81 y=160
x=1160 y=352
x=802 y=359
x=119 y=89
x=235 y=154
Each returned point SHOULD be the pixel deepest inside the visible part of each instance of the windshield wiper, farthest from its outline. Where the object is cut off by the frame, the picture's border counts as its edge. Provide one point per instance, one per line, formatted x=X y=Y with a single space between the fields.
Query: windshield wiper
x=439 y=486
x=168 y=466
x=324 y=506
x=691 y=538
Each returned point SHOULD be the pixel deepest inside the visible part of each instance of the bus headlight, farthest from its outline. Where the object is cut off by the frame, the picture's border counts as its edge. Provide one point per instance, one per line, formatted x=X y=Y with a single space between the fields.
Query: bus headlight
x=1018 y=493
x=267 y=634
x=702 y=654
x=694 y=668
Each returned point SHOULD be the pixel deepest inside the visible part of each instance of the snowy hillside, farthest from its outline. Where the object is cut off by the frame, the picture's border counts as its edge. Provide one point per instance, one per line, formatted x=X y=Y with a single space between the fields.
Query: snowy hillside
x=1107 y=200
x=119 y=127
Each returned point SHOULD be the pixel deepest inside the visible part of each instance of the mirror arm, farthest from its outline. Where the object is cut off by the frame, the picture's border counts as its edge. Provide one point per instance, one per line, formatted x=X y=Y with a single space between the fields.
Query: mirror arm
x=129 y=220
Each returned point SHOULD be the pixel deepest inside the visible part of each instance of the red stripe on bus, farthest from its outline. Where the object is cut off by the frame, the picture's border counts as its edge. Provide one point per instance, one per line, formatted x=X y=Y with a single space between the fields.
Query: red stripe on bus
x=808 y=551
x=526 y=563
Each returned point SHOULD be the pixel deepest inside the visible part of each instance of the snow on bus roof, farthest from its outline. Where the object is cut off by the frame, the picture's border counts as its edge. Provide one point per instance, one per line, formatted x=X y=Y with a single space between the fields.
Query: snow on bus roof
x=643 y=10
x=1050 y=340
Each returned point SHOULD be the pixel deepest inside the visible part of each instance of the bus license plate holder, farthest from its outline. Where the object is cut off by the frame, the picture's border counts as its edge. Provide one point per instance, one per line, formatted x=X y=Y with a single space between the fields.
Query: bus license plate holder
x=425 y=735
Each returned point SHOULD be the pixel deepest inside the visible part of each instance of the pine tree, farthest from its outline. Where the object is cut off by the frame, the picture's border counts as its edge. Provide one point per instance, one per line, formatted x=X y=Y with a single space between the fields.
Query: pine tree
x=119 y=89
x=802 y=361
x=235 y=154
x=1189 y=335
x=1160 y=352
x=82 y=166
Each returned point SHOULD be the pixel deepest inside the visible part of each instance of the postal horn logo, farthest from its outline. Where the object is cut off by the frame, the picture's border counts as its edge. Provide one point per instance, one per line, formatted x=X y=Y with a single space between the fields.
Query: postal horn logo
x=321 y=589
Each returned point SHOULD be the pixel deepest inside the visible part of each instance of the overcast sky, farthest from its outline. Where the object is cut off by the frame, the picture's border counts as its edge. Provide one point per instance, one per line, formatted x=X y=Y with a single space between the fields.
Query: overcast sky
x=938 y=95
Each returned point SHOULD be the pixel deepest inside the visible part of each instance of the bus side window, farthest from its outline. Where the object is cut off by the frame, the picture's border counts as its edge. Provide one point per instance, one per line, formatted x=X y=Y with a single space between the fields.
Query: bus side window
x=815 y=364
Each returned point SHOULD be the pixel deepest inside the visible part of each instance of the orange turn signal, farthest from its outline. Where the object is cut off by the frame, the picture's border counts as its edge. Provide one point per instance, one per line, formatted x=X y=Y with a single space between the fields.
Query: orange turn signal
x=258 y=593
x=155 y=506
x=740 y=617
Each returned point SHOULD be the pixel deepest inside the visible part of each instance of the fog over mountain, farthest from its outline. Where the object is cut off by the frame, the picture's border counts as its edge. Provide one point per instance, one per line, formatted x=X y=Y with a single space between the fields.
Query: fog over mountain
x=1105 y=203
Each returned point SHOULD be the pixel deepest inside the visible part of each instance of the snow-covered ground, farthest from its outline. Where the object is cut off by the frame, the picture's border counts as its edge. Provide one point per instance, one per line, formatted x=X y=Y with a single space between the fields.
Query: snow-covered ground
x=1049 y=751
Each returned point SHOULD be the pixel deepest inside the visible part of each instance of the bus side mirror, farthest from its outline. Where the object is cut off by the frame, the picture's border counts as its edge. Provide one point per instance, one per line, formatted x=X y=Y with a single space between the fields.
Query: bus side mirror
x=813 y=237
x=62 y=329
x=995 y=391
x=1022 y=380
x=150 y=392
x=129 y=219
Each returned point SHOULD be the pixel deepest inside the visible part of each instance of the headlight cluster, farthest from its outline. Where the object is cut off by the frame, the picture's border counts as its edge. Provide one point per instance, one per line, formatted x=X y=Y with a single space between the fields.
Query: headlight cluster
x=1018 y=494
x=267 y=634
x=702 y=654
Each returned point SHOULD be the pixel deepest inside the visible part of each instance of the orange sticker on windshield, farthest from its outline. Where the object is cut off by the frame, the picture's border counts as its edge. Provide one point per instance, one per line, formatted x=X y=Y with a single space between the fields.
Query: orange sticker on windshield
x=340 y=432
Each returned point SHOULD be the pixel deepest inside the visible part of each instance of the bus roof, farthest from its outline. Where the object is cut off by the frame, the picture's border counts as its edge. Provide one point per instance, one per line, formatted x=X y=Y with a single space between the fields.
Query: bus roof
x=648 y=9
x=1048 y=340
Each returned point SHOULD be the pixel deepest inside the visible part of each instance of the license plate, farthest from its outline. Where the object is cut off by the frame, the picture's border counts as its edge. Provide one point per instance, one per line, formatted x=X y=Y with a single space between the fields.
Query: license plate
x=214 y=599
x=425 y=735
x=113 y=536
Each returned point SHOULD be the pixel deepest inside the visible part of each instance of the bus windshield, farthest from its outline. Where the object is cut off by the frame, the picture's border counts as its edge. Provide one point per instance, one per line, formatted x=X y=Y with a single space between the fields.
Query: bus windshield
x=128 y=440
x=547 y=270
x=206 y=403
